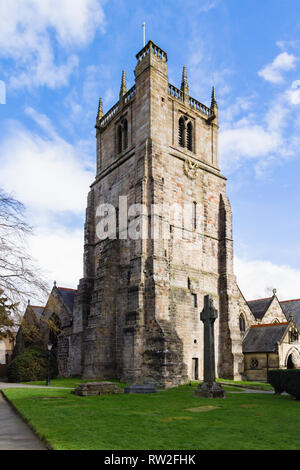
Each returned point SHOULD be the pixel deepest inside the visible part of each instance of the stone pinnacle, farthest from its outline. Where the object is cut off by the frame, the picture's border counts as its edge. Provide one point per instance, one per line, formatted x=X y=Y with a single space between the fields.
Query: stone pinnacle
x=123 y=89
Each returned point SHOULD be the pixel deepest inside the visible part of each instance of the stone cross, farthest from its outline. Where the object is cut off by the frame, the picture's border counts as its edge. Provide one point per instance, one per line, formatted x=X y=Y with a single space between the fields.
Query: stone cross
x=209 y=388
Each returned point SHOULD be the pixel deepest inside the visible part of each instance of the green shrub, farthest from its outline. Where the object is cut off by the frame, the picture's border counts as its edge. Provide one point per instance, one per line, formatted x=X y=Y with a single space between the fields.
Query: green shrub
x=30 y=365
x=292 y=382
x=285 y=380
x=275 y=379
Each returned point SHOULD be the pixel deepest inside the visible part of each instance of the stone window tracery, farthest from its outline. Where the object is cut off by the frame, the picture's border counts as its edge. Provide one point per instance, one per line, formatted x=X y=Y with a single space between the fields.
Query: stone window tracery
x=254 y=363
x=185 y=133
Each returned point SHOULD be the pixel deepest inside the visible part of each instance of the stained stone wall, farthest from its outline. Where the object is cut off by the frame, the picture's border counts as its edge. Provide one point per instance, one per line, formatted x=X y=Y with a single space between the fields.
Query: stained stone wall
x=274 y=313
x=140 y=300
x=265 y=361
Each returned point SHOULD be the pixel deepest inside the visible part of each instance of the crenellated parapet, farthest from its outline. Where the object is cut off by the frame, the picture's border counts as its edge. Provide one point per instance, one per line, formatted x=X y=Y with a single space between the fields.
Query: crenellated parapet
x=152 y=48
x=126 y=99
x=194 y=104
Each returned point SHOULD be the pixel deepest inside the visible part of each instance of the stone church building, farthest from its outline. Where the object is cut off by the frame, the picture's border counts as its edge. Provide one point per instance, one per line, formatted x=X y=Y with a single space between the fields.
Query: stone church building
x=136 y=312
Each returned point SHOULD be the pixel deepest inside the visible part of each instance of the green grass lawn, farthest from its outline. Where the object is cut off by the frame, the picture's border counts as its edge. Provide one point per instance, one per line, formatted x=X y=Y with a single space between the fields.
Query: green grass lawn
x=69 y=382
x=244 y=384
x=74 y=382
x=164 y=420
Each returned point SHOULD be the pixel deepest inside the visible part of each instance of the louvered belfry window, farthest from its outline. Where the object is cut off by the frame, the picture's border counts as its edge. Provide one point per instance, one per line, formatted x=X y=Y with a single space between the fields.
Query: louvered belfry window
x=189 y=136
x=185 y=134
x=181 y=132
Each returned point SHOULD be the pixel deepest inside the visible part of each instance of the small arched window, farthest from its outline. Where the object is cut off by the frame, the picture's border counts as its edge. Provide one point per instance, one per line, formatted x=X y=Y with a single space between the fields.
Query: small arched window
x=189 y=136
x=242 y=323
x=125 y=134
x=119 y=139
x=181 y=129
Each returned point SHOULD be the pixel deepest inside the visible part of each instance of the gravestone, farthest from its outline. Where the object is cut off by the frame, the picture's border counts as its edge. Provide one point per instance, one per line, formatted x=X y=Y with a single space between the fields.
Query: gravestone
x=209 y=388
x=97 y=388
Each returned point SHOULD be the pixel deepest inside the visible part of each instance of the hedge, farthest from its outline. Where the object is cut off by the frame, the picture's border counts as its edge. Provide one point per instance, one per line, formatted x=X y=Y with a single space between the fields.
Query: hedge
x=31 y=365
x=285 y=380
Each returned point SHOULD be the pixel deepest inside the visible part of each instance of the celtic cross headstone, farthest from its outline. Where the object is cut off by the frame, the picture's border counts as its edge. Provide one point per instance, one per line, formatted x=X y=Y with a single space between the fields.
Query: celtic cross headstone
x=209 y=388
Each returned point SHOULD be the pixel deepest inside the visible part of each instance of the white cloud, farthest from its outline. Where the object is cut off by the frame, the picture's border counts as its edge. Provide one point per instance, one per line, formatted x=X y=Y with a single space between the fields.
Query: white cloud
x=260 y=135
x=28 y=30
x=257 y=278
x=293 y=93
x=59 y=251
x=246 y=140
x=274 y=72
x=45 y=173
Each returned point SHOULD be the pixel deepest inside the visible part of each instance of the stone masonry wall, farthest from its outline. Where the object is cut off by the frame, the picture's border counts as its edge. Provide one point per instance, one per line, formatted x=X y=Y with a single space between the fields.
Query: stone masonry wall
x=141 y=316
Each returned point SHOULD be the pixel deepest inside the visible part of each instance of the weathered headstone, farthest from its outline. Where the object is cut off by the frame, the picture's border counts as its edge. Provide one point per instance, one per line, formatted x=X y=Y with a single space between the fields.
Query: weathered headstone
x=97 y=388
x=209 y=388
x=140 y=388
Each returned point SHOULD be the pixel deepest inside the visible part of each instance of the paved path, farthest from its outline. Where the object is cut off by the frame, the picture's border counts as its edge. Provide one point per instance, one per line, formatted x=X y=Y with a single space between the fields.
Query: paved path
x=14 y=433
x=11 y=385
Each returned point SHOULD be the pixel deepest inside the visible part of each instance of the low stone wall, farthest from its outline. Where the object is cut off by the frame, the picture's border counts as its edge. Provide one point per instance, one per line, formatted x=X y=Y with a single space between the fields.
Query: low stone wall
x=97 y=388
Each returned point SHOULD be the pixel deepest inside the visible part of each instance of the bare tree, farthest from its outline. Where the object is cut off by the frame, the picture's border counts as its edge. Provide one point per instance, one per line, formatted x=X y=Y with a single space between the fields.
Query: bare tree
x=20 y=278
x=7 y=320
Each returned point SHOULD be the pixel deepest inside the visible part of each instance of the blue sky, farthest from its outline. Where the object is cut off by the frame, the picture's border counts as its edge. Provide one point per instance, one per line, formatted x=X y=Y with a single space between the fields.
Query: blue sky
x=57 y=57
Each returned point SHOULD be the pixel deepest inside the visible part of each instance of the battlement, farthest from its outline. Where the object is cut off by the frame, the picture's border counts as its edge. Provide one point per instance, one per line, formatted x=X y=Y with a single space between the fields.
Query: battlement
x=196 y=105
x=152 y=48
x=117 y=107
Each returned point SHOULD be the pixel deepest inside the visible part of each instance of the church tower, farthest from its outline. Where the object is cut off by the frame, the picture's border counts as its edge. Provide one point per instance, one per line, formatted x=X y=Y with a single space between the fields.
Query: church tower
x=138 y=306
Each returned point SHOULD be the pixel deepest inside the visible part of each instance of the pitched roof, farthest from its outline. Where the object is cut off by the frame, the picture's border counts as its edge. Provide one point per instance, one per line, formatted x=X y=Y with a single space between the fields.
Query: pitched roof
x=292 y=307
x=263 y=338
x=68 y=296
x=37 y=310
x=259 y=307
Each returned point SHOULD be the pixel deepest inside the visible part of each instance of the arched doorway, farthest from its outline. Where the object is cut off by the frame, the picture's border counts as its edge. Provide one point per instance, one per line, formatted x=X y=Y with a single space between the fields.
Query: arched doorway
x=292 y=360
x=290 y=363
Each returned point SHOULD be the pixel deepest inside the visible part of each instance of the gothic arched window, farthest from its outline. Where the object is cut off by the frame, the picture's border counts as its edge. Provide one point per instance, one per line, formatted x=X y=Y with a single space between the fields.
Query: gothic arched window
x=189 y=136
x=119 y=139
x=181 y=132
x=125 y=134
x=242 y=323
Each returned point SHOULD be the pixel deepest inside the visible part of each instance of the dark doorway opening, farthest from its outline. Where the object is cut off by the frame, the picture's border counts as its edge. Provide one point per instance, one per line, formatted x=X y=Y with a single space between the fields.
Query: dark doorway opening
x=195 y=368
x=290 y=364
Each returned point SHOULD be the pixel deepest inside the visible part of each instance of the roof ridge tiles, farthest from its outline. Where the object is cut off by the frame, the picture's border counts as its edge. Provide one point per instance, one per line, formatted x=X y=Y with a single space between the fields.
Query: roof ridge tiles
x=270 y=324
x=67 y=288
x=259 y=300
